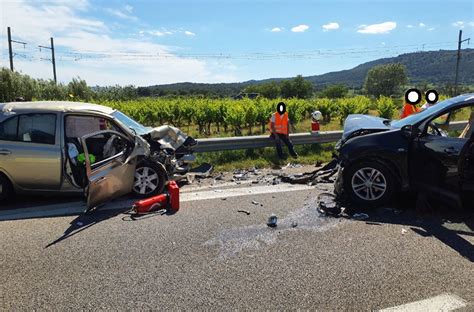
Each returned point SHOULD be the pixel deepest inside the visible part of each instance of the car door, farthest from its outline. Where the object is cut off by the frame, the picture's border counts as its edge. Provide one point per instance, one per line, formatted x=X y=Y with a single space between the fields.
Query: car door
x=110 y=174
x=436 y=161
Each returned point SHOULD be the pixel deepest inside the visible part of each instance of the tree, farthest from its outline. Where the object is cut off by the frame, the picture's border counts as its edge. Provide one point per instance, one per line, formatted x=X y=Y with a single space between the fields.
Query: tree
x=270 y=90
x=385 y=79
x=79 y=90
x=297 y=87
x=336 y=91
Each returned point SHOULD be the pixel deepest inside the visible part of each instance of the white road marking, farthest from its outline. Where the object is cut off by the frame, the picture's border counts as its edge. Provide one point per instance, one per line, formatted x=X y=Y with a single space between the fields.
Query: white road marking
x=242 y=191
x=441 y=303
x=78 y=207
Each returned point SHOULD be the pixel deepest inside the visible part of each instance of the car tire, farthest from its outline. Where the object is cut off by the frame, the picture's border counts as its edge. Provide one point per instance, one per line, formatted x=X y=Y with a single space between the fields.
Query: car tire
x=6 y=189
x=150 y=179
x=369 y=183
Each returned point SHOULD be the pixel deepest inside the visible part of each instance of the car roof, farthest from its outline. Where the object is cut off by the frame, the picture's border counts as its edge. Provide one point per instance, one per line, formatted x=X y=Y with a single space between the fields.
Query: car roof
x=53 y=106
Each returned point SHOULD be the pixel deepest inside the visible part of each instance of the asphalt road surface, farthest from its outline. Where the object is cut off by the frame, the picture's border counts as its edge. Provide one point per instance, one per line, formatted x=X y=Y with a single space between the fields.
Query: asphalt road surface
x=210 y=256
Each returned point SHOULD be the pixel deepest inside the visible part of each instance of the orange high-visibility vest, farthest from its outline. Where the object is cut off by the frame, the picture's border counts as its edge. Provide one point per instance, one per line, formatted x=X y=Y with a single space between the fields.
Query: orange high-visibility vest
x=409 y=109
x=281 y=123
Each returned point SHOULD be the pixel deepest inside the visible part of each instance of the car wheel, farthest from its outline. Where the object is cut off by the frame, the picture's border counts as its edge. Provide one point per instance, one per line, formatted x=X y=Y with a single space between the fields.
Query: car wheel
x=149 y=179
x=369 y=183
x=6 y=189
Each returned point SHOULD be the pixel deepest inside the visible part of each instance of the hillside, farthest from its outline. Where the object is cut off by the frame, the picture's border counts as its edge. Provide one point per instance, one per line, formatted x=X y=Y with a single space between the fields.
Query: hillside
x=436 y=67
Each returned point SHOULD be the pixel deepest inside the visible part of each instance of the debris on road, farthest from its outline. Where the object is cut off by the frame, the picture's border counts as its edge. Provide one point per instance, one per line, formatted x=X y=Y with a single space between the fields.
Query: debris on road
x=404 y=231
x=360 y=216
x=291 y=165
x=257 y=203
x=321 y=175
x=272 y=221
x=244 y=211
x=294 y=224
x=328 y=205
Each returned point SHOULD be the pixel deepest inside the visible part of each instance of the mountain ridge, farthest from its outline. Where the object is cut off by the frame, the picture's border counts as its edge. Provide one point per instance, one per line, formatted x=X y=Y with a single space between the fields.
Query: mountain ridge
x=435 y=67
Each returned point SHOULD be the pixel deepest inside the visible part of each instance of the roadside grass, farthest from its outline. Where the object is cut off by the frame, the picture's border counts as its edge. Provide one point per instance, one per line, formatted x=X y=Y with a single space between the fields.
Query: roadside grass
x=265 y=157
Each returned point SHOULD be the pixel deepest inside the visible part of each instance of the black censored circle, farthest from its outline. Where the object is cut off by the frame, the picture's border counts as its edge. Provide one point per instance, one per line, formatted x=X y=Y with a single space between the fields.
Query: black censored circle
x=431 y=96
x=413 y=96
x=281 y=108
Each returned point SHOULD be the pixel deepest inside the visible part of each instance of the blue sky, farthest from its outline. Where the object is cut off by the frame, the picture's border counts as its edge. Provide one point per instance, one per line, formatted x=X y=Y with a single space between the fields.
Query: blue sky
x=155 y=42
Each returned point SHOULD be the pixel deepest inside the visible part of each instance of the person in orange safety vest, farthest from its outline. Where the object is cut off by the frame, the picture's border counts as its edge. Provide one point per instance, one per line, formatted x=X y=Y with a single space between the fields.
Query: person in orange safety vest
x=412 y=98
x=279 y=126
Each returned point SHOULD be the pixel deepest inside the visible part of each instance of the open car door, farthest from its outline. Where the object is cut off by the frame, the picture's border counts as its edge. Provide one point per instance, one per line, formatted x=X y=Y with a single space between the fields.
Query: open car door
x=110 y=162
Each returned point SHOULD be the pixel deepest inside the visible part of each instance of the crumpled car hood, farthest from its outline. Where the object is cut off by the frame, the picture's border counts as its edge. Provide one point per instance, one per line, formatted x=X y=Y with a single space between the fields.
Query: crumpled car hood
x=168 y=136
x=358 y=122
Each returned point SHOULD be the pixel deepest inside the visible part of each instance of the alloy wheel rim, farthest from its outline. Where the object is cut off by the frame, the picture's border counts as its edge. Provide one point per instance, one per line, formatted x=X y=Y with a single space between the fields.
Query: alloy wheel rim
x=146 y=180
x=369 y=184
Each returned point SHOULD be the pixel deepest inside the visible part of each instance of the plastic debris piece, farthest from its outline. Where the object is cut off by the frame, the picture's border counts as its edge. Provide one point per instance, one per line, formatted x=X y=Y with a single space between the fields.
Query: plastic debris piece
x=272 y=221
x=404 y=231
x=256 y=203
x=327 y=205
x=360 y=216
x=294 y=224
x=244 y=211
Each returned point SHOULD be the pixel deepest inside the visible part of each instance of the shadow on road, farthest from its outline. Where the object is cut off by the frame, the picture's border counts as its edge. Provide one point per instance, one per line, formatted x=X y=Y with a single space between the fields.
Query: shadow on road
x=446 y=224
x=85 y=221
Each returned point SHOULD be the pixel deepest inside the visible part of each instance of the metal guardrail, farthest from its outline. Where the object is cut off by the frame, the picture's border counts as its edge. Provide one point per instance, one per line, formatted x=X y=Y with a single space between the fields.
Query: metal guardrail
x=259 y=141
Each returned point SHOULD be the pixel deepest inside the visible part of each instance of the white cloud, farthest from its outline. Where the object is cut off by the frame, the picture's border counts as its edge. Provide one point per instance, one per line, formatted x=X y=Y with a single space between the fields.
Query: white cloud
x=189 y=33
x=382 y=28
x=124 y=13
x=330 y=26
x=421 y=25
x=458 y=24
x=128 y=8
x=300 y=28
x=98 y=56
x=471 y=24
x=276 y=29
x=409 y=26
x=383 y=43
x=431 y=29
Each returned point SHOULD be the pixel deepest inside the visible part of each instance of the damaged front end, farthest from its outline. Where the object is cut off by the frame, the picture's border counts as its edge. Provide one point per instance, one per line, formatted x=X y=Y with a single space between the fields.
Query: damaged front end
x=173 y=148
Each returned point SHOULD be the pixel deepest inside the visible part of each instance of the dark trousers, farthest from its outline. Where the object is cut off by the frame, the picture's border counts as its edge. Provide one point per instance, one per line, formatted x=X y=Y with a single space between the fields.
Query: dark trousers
x=279 y=138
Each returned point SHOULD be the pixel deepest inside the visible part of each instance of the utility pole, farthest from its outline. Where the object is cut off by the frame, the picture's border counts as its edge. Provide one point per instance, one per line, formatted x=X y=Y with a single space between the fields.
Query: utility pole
x=10 y=50
x=460 y=41
x=53 y=59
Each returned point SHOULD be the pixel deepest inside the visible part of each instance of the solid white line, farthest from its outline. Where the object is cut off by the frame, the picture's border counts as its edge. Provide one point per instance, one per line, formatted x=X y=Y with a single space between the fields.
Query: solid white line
x=78 y=207
x=242 y=191
x=441 y=303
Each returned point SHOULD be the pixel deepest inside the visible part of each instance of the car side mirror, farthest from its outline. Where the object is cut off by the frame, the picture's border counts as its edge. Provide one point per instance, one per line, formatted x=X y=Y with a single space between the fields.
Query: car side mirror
x=408 y=131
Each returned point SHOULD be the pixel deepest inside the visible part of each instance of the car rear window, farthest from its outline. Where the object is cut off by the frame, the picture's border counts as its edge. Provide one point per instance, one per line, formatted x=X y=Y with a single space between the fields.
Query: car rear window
x=33 y=128
x=8 y=129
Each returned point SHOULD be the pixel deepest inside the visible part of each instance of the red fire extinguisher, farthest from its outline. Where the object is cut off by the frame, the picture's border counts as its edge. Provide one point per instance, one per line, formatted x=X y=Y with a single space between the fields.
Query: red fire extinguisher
x=168 y=201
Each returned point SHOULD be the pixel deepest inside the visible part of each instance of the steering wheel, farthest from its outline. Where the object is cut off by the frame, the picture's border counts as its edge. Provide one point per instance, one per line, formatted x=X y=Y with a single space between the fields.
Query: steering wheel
x=113 y=145
x=434 y=129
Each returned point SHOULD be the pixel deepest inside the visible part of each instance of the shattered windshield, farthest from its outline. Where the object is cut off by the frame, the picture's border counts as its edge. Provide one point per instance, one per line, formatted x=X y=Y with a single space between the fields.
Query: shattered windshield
x=130 y=123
